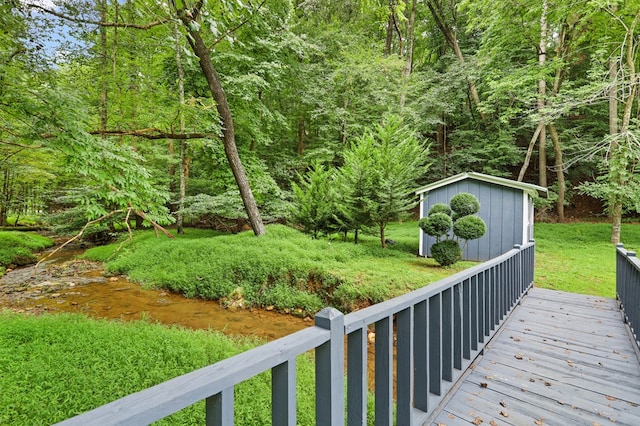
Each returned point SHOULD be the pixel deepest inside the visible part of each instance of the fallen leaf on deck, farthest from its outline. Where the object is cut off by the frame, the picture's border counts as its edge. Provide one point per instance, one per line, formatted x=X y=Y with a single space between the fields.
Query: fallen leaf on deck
x=484 y=385
x=504 y=413
x=518 y=356
x=547 y=384
x=504 y=404
x=612 y=398
x=477 y=421
x=538 y=422
x=493 y=423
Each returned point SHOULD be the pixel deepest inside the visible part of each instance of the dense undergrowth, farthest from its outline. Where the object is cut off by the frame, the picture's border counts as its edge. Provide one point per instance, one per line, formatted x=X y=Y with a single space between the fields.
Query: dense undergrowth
x=53 y=367
x=16 y=248
x=284 y=268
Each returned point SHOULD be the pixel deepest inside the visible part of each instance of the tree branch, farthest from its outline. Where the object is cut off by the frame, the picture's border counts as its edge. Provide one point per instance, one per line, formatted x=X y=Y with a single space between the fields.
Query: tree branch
x=92 y=22
x=234 y=29
x=78 y=235
x=152 y=134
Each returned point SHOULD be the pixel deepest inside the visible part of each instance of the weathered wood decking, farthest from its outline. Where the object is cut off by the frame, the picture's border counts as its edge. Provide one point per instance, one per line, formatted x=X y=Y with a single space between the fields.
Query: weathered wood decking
x=561 y=358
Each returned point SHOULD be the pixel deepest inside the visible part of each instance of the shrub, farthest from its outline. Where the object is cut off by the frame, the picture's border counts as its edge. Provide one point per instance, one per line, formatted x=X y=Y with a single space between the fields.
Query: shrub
x=440 y=208
x=469 y=227
x=436 y=225
x=459 y=217
x=446 y=252
x=464 y=204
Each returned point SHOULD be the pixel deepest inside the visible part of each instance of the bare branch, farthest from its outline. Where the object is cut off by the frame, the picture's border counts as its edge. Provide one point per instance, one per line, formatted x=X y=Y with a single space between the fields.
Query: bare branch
x=102 y=24
x=154 y=224
x=78 y=235
x=153 y=134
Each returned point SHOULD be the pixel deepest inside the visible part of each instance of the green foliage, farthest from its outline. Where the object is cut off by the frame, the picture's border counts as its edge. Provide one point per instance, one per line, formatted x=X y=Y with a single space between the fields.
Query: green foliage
x=464 y=225
x=16 y=248
x=112 y=359
x=464 y=204
x=446 y=252
x=436 y=224
x=439 y=208
x=469 y=227
x=380 y=173
x=284 y=268
x=314 y=200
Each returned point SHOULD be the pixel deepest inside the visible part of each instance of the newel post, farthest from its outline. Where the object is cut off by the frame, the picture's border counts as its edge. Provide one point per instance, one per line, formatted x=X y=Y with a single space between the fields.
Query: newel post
x=330 y=369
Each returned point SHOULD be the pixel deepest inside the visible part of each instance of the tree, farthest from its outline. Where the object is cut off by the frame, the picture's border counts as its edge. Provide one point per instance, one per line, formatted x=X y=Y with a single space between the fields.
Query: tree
x=314 y=200
x=380 y=174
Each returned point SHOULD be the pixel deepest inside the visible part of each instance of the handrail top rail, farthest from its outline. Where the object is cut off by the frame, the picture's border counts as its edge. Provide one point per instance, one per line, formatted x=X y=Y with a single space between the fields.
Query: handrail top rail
x=165 y=398
x=630 y=255
x=358 y=319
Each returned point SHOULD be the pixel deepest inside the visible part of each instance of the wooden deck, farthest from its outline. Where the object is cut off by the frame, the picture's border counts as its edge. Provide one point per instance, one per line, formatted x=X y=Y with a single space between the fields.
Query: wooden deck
x=560 y=359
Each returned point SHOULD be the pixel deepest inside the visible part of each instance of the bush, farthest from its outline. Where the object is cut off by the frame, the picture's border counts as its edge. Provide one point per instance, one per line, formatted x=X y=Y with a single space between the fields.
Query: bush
x=446 y=252
x=464 y=204
x=469 y=227
x=436 y=224
x=440 y=208
x=16 y=248
x=442 y=219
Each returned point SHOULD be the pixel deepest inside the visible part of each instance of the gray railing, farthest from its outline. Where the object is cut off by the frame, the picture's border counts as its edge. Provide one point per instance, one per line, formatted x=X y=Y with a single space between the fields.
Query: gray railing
x=628 y=289
x=439 y=330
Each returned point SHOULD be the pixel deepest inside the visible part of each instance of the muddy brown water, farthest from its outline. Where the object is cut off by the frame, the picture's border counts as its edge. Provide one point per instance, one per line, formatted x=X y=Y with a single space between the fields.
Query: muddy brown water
x=62 y=284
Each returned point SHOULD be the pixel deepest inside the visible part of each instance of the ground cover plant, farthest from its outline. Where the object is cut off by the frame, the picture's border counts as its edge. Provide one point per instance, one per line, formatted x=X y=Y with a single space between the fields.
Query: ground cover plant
x=16 y=248
x=284 y=268
x=53 y=367
x=578 y=257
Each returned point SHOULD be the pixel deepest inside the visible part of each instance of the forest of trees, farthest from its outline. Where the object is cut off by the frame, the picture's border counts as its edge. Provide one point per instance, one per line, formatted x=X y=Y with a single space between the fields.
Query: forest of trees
x=213 y=112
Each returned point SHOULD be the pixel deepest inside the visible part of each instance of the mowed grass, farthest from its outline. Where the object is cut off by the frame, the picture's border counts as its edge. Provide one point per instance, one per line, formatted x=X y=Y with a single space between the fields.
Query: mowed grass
x=578 y=257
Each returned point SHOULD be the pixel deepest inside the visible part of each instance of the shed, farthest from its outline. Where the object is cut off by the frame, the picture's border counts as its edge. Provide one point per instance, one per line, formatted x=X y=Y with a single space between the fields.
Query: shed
x=505 y=205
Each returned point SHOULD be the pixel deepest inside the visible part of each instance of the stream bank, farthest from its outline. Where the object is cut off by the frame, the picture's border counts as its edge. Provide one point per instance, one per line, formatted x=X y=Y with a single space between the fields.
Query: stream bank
x=63 y=283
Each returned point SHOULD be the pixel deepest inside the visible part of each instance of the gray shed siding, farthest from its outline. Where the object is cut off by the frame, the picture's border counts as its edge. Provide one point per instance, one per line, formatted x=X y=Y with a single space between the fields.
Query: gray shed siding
x=502 y=208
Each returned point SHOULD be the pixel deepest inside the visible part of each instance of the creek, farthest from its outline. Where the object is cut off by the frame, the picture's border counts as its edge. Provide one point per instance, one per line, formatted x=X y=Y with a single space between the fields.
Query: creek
x=63 y=283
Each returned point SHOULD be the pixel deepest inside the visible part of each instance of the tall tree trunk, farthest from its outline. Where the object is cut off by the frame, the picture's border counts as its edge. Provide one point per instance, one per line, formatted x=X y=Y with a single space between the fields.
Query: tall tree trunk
x=618 y=161
x=408 y=63
x=103 y=68
x=198 y=46
x=542 y=89
x=389 y=38
x=559 y=166
x=183 y=142
x=302 y=134
x=448 y=30
x=527 y=157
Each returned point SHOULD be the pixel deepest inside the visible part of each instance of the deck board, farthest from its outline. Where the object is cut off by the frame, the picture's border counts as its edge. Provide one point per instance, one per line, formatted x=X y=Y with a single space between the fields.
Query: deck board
x=560 y=359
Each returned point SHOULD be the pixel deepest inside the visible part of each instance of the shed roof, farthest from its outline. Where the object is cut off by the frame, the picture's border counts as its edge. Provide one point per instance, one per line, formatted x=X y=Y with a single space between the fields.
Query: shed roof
x=531 y=189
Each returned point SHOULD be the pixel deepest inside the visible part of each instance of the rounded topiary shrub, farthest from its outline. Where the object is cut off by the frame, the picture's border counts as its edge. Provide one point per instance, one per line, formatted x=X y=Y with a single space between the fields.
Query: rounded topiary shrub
x=440 y=208
x=469 y=227
x=436 y=225
x=446 y=252
x=464 y=204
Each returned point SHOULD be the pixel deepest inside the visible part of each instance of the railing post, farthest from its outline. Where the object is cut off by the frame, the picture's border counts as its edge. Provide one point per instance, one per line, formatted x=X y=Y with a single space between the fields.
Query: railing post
x=330 y=369
x=219 y=408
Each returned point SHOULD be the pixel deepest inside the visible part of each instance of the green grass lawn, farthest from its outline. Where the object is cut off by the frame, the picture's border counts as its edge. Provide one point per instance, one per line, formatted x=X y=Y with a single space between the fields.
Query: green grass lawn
x=578 y=257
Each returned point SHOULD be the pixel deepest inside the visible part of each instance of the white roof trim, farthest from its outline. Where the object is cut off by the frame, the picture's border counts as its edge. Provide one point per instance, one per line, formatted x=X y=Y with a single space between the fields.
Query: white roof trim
x=531 y=189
